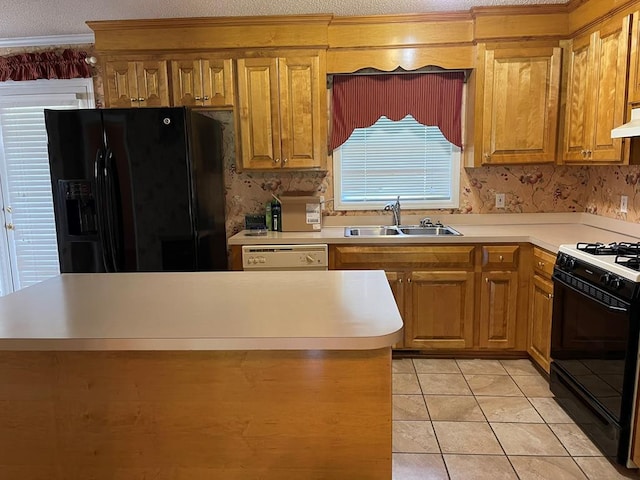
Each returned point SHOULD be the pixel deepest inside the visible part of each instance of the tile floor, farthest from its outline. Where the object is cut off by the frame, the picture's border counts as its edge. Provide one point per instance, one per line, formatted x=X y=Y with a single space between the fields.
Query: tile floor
x=486 y=419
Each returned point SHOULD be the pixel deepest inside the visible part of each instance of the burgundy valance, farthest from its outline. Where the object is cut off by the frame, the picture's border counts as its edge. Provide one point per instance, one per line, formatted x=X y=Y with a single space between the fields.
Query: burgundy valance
x=433 y=99
x=49 y=65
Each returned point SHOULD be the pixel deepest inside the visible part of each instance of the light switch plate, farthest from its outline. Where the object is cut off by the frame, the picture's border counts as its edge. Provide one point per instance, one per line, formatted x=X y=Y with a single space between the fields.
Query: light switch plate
x=499 y=200
x=623 y=203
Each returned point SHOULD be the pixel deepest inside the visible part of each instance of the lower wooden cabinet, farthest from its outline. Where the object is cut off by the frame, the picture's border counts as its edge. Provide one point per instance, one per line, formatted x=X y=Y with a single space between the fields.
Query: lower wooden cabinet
x=498 y=310
x=452 y=297
x=439 y=310
x=541 y=308
x=539 y=344
x=397 y=282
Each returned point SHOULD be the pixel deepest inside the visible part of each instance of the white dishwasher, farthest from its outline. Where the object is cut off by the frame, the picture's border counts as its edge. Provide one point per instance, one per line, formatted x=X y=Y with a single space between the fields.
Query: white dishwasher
x=285 y=257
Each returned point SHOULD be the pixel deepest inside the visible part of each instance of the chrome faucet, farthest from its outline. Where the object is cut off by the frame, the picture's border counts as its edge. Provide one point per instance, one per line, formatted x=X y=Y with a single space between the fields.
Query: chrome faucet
x=395 y=209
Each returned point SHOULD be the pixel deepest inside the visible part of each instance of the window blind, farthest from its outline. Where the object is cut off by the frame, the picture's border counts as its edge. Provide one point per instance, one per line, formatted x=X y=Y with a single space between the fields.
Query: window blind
x=393 y=158
x=24 y=170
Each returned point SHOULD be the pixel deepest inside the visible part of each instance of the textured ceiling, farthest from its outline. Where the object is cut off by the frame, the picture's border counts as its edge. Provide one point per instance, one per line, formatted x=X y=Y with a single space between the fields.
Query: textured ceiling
x=30 y=18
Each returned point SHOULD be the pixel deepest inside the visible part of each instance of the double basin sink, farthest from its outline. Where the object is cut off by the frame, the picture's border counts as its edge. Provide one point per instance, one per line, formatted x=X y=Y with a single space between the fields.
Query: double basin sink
x=400 y=231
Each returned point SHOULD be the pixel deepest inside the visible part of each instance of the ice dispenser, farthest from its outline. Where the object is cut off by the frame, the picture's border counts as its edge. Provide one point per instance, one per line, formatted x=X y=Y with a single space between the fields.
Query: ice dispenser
x=79 y=207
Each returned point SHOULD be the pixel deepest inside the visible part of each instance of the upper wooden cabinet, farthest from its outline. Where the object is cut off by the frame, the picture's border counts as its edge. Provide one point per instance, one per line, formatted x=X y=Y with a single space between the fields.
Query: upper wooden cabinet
x=634 y=64
x=136 y=83
x=282 y=112
x=597 y=69
x=515 y=116
x=202 y=82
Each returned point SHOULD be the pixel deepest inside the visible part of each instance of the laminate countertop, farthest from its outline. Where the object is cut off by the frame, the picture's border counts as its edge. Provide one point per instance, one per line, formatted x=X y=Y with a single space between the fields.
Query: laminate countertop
x=326 y=310
x=547 y=231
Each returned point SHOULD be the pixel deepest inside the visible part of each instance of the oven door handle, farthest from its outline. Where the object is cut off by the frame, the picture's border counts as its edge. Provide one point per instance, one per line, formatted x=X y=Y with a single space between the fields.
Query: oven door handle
x=611 y=308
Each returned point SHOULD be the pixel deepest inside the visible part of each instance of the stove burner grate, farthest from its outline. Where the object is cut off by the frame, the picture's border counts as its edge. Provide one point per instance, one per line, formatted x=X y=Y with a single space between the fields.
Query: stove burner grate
x=623 y=249
x=631 y=261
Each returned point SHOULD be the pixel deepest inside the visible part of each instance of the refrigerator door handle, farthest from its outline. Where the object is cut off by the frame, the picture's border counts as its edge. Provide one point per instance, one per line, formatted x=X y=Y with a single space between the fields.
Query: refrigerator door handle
x=98 y=174
x=113 y=230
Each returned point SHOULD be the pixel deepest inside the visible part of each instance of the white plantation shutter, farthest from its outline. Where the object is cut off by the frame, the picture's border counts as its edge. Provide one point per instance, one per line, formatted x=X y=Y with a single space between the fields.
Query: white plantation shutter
x=26 y=187
x=406 y=158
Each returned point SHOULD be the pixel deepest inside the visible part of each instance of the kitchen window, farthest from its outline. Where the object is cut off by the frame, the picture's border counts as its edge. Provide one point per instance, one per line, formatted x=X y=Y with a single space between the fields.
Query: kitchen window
x=387 y=159
x=28 y=246
x=396 y=135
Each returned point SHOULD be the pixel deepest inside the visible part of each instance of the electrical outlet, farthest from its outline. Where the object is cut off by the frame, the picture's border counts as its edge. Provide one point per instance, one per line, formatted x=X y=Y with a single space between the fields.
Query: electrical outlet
x=499 y=200
x=623 y=203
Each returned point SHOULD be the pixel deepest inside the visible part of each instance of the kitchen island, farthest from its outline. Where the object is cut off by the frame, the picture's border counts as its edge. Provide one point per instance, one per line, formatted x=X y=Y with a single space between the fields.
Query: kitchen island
x=198 y=375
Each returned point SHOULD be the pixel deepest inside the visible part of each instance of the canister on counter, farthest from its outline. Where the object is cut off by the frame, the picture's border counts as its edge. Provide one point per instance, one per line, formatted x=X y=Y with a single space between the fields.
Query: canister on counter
x=276 y=216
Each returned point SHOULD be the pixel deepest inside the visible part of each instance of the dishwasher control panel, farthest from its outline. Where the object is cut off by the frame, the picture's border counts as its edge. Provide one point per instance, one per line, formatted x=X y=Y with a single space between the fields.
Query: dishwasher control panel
x=285 y=257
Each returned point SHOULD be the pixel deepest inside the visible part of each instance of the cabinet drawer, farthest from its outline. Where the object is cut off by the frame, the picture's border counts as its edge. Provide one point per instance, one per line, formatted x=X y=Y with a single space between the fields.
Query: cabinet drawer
x=543 y=262
x=383 y=257
x=500 y=257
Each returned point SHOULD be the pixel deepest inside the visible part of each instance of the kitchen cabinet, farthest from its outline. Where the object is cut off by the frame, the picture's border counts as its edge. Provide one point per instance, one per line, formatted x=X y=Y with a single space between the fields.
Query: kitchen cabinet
x=499 y=297
x=202 y=82
x=539 y=338
x=516 y=105
x=633 y=96
x=282 y=111
x=434 y=288
x=139 y=83
x=397 y=281
x=439 y=310
x=597 y=66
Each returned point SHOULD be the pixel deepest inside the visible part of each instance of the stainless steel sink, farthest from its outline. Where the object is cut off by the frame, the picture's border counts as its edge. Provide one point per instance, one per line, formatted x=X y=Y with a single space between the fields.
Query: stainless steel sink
x=370 y=231
x=402 y=230
x=429 y=231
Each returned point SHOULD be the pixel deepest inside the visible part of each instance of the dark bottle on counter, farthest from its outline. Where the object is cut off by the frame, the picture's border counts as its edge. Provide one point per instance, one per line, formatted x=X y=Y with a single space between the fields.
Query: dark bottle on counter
x=276 y=217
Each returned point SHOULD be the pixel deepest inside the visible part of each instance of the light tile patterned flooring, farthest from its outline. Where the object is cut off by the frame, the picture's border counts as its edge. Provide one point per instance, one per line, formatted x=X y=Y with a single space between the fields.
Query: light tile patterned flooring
x=486 y=419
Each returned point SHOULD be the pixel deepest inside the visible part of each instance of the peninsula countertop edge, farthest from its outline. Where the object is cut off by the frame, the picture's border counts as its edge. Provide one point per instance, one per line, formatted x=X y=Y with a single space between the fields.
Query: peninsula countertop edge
x=326 y=310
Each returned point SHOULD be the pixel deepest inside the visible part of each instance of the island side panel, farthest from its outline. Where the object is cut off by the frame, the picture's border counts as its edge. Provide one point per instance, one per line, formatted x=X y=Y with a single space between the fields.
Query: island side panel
x=196 y=415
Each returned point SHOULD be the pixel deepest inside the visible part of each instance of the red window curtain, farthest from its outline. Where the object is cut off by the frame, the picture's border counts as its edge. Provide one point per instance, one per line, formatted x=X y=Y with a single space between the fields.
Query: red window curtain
x=49 y=65
x=432 y=99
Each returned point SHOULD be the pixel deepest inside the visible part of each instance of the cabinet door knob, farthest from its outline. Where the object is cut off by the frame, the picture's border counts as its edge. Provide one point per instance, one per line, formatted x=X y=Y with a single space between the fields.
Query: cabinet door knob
x=550 y=296
x=276 y=160
x=140 y=99
x=198 y=99
x=501 y=258
x=487 y=156
x=486 y=279
x=285 y=160
x=205 y=98
x=541 y=264
x=408 y=280
x=399 y=280
x=133 y=99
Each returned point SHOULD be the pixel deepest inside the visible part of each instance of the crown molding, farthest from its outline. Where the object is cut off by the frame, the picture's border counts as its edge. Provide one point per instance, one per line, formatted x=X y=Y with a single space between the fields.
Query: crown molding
x=49 y=40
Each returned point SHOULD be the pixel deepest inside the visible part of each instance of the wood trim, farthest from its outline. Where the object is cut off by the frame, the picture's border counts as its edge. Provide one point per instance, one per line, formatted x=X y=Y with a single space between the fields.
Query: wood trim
x=398 y=34
x=153 y=23
x=554 y=25
x=503 y=10
x=349 y=60
x=402 y=18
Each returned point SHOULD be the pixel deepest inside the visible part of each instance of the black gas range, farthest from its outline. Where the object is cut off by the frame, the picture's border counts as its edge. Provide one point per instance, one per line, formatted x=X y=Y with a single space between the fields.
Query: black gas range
x=594 y=339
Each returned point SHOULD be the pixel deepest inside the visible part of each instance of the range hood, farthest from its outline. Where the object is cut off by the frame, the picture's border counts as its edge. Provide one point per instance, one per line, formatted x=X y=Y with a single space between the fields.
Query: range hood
x=629 y=129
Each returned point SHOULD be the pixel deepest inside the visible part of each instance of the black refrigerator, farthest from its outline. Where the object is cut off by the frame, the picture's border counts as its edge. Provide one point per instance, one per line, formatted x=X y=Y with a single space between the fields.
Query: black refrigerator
x=137 y=189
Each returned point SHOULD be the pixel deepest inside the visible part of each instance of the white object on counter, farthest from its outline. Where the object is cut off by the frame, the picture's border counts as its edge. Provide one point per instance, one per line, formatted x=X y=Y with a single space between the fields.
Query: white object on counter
x=324 y=310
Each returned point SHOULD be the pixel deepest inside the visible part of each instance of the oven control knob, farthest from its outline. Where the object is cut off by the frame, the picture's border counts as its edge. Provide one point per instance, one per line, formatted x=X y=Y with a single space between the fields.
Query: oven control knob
x=615 y=283
x=571 y=263
x=606 y=279
x=562 y=260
